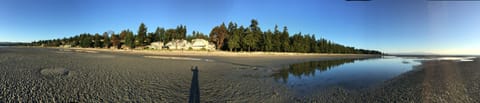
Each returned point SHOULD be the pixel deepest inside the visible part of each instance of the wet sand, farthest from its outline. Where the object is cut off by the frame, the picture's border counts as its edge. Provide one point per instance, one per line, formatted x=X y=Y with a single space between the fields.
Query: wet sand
x=436 y=81
x=69 y=75
x=72 y=75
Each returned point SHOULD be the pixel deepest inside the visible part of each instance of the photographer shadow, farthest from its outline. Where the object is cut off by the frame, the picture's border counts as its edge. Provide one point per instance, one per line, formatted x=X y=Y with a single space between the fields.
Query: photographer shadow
x=194 y=88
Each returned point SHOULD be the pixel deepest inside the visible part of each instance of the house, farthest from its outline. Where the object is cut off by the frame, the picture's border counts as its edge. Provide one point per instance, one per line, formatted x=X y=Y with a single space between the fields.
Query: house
x=178 y=44
x=198 y=44
x=195 y=44
x=156 y=45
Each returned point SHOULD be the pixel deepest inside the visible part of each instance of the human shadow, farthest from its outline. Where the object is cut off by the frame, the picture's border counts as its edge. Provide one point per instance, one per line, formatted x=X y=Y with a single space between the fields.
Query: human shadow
x=194 y=88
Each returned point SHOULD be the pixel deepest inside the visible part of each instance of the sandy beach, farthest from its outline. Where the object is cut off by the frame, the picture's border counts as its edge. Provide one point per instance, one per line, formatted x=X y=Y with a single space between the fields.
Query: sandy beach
x=102 y=75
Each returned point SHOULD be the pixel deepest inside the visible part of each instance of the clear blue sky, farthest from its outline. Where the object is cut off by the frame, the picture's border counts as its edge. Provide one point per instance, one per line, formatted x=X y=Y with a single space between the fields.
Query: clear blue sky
x=392 y=26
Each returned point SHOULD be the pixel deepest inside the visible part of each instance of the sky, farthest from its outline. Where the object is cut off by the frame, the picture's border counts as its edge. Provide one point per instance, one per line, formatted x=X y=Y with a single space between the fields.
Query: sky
x=391 y=26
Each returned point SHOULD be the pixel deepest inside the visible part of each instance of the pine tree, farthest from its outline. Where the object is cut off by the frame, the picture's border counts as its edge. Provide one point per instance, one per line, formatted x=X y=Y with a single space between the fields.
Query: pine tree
x=142 y=32
x=181 y=32
x=243 y=35
x=249 y=40
x=276 y=40
x=106 y=40
x=97 y=42
x=86 y=41
x=234 y=40
x=285 y=40
x=129 y=39
x=150 y=38
x=267 y=41
x=170 y=34
x=255 y=35
x=115 y=41
x=160 y=32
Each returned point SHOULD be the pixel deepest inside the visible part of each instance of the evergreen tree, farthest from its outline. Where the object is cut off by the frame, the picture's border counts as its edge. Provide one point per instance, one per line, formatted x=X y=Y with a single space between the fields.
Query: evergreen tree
x=256 y=35
x=160 y=32
x=142 y=32
x=243 y=35
x=249 y=40
x=115 y=41
x=276 y=40
x=86 y=41
x=297 y=42
x=234 y=40
x=181 y=32
x=285 y=40
x=199 y=35
x=129 y=39
x=267 y=41
x=106 y=40
x=170 y=34
x=150 y=38
x=97 y=42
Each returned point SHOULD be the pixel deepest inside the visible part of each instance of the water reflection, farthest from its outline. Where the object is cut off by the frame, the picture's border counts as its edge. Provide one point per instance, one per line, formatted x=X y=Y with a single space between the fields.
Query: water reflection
x=345 y=73
x=309 y=68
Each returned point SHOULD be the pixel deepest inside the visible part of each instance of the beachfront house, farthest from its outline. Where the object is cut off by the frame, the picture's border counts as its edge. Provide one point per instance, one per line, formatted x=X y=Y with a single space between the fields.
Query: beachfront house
x=178 y=44
x=198 y=44
x=181 y=44
x=156 y=45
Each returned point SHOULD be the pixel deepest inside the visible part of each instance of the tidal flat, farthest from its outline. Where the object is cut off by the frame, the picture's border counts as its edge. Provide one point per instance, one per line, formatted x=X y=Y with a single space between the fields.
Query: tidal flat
x=72 y=75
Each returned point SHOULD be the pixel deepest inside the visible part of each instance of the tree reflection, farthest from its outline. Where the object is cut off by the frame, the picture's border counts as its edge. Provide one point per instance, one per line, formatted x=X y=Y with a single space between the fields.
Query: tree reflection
x=309 y=68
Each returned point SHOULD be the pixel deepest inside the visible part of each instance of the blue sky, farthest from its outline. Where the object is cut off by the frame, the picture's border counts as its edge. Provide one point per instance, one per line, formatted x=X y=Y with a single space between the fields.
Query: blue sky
x=392 y=26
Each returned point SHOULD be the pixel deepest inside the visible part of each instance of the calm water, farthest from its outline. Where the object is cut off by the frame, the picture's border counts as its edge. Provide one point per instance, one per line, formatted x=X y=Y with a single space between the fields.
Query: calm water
x=346 y=73
x=349 y=73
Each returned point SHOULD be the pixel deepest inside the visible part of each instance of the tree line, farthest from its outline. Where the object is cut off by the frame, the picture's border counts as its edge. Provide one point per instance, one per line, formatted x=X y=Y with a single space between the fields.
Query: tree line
x=229 y=38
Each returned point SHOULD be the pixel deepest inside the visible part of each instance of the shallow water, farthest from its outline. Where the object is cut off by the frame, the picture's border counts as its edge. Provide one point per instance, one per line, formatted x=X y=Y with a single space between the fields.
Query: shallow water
x=346 y=73
x=305 y=78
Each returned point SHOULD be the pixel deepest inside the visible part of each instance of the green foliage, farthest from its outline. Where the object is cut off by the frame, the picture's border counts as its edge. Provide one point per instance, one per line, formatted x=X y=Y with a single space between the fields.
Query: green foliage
x=97 y=43
x=181 y=32
x=217 y=35
x=199 y=35
x=285 y=41
x=170 y=34
x=140 y=38
x=256 y=35
x=160 y=34
x=129 y=39
x=233 y=38
x=115 y=41
x=86 y=41
x=267 y=41
x=249 y=40
x=106 y=40
x=309 y=68
x=150 y=38
x=276 y=40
